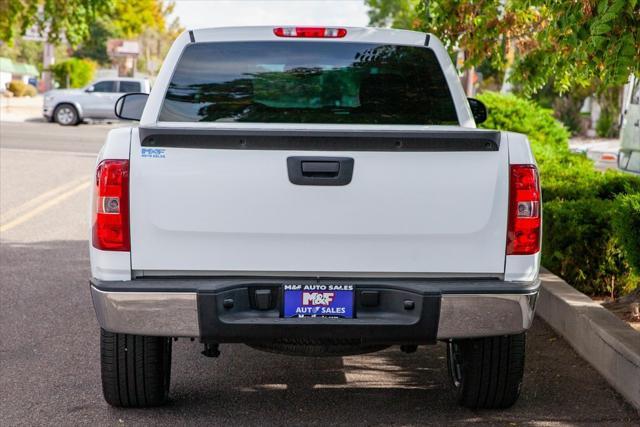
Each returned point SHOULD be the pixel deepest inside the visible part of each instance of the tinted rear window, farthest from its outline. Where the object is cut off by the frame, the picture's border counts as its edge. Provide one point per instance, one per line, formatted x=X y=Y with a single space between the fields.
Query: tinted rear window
x=308 y=82
x=129 y=86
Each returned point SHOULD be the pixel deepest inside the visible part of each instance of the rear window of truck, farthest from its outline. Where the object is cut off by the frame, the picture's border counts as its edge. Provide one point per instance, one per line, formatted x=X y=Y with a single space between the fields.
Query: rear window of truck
x=308 y=82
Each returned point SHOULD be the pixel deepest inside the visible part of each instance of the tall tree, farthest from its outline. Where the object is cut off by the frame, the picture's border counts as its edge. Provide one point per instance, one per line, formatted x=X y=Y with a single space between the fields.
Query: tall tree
x=131 y=18
x=55 y=19
x=568 y=42
x=147 y=21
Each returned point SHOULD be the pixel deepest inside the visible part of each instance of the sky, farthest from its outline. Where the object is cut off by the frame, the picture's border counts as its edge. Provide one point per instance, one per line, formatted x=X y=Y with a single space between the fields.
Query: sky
x=225 y=13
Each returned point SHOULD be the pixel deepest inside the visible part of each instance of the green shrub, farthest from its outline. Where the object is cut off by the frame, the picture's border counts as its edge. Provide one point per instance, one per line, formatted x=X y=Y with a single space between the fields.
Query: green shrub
x=31 y=91
x=568 y=177
x=579 y=241
x=20 y=88
x=605 y=127
x=580 y=245
x=615 y=183
x=573 y=178
x=73 y=72
x=626 y=223
x=17 y=87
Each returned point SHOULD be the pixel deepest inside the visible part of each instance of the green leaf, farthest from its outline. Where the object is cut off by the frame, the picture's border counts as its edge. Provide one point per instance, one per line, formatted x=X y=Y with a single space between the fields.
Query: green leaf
x=609 y=16
x=616 y=6
x=599 y=28
x=602 y=6
x=598 y=41
x=627 y=52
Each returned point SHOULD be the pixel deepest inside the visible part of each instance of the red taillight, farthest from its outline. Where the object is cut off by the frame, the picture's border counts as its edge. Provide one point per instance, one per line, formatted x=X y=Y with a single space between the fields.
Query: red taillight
x=523 y=231
x=310 y=32
x=111 y=206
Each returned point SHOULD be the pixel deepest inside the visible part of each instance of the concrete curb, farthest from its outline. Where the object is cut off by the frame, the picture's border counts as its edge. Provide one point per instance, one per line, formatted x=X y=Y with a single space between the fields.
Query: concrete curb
x=610 y=345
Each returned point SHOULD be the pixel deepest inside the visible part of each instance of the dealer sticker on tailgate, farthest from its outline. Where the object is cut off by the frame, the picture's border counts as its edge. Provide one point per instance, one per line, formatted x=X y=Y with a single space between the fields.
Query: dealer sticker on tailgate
x=318 y=300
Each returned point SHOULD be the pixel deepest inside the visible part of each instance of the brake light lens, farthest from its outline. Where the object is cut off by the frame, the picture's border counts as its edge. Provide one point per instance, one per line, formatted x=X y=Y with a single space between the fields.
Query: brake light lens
x=523 y=231
x=310 y=32
x=111 y=206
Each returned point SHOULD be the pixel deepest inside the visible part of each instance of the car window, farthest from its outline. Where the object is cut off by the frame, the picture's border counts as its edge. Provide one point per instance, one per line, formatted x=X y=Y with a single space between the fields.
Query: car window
x=128 y=87
x=630 y=160
x=308 y=82
x=105 y=86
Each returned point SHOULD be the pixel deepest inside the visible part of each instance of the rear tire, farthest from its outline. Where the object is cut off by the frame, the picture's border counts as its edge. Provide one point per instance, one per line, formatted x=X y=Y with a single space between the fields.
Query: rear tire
x=136 y=370
x=66 y=115
x=487 y=372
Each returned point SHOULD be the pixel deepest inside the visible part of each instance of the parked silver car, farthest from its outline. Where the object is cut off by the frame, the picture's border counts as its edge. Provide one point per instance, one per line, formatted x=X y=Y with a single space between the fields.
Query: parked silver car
x=69 y=107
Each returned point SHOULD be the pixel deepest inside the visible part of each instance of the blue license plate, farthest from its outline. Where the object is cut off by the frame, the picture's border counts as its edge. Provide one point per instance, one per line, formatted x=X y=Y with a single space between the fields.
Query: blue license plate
x=318 y=301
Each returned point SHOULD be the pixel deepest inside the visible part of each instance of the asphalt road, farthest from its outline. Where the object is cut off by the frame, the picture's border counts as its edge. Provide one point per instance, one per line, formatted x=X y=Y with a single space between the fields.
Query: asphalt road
x=49 y=364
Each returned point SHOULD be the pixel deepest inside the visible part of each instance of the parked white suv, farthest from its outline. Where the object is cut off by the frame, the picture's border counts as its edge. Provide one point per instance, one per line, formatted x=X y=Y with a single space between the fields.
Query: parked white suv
x=313 y=191
x=69 y=107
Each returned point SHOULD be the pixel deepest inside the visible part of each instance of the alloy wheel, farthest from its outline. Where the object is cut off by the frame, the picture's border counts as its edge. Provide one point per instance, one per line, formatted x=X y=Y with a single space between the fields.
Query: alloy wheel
x=65 y=115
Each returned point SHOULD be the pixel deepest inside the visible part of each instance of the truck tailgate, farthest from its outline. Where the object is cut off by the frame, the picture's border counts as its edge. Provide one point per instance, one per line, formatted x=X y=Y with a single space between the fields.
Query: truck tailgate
x=426 y=203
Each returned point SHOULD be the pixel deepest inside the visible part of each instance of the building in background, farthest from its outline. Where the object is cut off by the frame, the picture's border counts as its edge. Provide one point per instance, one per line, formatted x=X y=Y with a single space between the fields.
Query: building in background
x=124 y=54
x=6 y=72
x=10 y=70
x=27 y=73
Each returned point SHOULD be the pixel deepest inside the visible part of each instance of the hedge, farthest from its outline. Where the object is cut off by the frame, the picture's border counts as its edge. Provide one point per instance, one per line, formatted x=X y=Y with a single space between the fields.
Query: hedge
x=626 y=223
x=591 y=219
x=580 y=244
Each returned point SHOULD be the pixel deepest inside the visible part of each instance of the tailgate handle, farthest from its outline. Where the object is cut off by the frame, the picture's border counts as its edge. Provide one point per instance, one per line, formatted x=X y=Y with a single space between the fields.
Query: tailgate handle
x=320 y=170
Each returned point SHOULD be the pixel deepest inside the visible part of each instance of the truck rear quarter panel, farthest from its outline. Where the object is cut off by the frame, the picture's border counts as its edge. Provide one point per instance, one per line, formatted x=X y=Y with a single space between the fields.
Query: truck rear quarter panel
x=110 y=265
x=520 y=267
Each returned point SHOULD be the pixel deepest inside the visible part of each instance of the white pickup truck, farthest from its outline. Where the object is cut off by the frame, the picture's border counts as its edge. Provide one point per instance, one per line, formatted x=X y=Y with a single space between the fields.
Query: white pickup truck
x=313 y=191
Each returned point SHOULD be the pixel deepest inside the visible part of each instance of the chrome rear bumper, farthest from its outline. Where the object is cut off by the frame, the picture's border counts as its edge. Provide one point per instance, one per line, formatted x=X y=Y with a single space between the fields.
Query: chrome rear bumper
x=147 y=313
x=164 y=311
x=478 y=315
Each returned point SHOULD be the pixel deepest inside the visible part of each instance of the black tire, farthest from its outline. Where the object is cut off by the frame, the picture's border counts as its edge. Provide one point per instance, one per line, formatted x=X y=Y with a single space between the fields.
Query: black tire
x=136 y=370
x=487 y=372
x=66 y=115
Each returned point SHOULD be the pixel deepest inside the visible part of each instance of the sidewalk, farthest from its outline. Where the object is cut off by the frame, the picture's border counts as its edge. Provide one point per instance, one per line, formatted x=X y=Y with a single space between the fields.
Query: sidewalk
x=22 y=109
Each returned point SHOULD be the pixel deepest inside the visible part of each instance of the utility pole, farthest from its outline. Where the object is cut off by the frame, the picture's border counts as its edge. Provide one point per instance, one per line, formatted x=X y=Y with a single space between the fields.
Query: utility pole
x=48 y=59
x=35 y=33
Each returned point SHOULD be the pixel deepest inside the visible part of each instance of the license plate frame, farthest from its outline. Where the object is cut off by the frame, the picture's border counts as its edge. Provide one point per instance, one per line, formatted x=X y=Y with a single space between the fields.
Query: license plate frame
x=318 y=300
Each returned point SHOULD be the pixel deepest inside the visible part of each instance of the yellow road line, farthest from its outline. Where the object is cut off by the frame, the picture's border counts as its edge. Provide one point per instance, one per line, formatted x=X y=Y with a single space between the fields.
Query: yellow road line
x=43 y=207
x=40 y=198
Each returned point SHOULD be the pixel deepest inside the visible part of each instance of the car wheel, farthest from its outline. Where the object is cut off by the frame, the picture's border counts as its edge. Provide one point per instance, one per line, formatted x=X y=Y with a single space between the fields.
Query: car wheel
x=66 y=115
x=136 y=370
x=486 y=373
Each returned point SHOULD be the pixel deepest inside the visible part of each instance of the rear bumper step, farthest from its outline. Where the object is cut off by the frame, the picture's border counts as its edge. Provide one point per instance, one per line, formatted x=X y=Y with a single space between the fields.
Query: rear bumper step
x=201 y=308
